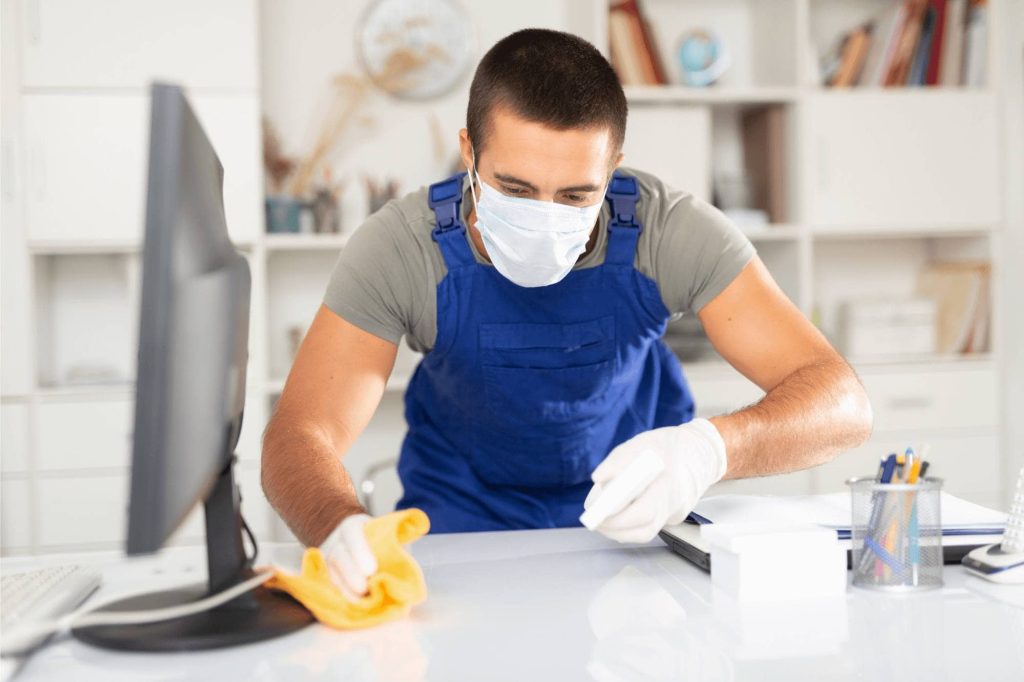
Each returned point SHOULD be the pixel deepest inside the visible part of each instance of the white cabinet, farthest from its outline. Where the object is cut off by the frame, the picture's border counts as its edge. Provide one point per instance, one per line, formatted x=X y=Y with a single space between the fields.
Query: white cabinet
x=903 y=159
x=87 y=164
x=683 y=159
x=907 y=400
x=967 y=464
x=83 y=435
x=721 y=390
x=82 y=510
x=127 y=43
x=14 y=438
x=16 y=515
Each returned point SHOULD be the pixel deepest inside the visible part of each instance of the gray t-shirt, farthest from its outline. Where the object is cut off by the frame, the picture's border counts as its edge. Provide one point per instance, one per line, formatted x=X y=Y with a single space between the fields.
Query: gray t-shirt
x=386 y=277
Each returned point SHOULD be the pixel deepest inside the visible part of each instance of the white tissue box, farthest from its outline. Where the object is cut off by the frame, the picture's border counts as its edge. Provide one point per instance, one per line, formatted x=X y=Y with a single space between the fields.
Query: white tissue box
x=772 y=562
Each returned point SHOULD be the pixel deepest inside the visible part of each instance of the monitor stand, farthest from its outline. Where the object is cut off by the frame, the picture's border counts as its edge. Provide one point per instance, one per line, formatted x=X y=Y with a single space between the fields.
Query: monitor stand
x=251 y=617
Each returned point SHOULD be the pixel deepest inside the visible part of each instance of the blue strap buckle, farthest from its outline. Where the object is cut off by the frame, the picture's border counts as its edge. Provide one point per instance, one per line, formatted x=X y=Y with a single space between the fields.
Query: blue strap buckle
x=445 y=198
x=622 y=195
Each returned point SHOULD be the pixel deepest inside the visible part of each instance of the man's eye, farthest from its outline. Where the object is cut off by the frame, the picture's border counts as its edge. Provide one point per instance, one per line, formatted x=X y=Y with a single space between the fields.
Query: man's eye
x=576 y=198
x=513 y=191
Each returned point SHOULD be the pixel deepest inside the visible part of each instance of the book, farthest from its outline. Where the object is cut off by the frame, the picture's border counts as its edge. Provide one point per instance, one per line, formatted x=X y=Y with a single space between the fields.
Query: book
x=632 y=45
x=764 y=156
x=961 y=293
x=624 y=59
x=975 y=45
x=935 y=53
x=851 y=61
x=899 y=68
x=950 y=68
x=919 y=66
x=832 y=510
x=884 y=37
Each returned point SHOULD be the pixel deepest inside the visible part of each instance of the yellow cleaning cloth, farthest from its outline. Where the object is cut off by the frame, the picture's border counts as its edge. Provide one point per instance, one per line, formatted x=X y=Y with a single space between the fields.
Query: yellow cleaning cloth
x=396 y=587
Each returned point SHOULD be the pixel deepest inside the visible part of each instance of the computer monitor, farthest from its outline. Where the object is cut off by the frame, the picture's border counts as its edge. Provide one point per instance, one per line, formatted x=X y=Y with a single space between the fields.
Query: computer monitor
x=190 y=393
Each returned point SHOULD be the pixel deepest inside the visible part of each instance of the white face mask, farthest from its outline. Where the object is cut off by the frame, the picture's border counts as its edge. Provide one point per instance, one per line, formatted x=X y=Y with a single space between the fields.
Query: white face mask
x=532 y=243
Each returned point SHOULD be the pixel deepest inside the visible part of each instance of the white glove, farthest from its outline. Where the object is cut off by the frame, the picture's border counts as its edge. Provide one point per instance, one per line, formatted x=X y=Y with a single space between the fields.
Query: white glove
x=350 y=561
x=694 y=459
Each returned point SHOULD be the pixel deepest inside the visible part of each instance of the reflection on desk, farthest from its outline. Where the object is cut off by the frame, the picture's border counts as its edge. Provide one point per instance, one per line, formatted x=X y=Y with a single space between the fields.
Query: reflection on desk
x=571 y=605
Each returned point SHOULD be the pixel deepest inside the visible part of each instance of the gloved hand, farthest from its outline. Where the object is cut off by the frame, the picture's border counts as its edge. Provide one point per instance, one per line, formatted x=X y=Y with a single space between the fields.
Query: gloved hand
x=350 y=560
x=694 y=459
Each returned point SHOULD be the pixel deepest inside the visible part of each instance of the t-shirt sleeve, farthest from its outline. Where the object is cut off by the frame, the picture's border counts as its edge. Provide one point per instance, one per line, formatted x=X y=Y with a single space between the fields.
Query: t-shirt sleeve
x=371 y=285
x=699 y=254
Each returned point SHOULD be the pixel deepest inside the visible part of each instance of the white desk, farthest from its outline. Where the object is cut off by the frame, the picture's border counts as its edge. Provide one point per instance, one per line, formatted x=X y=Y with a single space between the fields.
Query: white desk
x=570 y=605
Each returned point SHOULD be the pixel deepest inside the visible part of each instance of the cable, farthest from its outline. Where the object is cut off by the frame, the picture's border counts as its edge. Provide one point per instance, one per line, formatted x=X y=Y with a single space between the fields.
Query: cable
x=90 y=617
x=252 y=540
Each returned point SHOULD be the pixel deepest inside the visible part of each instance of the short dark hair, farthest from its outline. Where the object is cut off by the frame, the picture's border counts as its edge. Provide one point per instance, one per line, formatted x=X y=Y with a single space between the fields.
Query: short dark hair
x=550 y=77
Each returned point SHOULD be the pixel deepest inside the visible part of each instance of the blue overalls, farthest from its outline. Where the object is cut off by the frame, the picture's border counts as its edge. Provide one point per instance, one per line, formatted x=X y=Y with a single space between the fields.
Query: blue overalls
x=528 y=389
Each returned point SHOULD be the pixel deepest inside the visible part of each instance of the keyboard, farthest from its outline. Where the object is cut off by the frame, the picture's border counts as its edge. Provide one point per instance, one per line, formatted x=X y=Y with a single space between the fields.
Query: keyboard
x=42 y=595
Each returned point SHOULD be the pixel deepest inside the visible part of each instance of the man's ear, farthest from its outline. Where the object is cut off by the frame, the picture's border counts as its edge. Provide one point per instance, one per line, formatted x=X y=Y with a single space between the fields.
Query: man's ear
x=618 y=160
x=466 y=149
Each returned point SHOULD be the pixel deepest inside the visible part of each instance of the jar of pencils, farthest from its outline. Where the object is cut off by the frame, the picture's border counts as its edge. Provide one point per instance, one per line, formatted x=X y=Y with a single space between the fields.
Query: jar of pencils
x=896 y=534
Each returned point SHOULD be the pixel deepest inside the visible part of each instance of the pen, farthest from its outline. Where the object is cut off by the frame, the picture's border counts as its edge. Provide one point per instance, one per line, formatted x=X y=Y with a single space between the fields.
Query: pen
x=886 y=469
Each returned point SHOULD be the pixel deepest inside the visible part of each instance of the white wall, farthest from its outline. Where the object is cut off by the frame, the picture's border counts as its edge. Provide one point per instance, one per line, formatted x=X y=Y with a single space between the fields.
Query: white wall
x=305 y=44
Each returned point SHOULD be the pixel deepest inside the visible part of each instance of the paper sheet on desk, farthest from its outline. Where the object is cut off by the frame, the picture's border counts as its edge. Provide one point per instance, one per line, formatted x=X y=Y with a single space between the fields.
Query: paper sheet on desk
x=833 y=511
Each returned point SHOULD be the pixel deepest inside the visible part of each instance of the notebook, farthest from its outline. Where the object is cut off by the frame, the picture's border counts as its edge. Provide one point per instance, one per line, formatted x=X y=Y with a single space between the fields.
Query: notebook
x=965 y=525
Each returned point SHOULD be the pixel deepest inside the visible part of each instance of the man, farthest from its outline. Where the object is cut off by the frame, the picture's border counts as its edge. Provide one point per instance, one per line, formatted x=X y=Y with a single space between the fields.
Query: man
x=538 y=286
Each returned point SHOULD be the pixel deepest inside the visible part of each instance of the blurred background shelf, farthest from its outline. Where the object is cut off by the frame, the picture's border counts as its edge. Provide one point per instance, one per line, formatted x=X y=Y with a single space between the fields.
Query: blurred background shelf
x=861 y=190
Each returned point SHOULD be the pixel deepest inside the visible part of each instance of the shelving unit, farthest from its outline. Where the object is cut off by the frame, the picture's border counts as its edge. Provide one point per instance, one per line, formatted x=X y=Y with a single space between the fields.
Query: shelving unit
x=851 y=227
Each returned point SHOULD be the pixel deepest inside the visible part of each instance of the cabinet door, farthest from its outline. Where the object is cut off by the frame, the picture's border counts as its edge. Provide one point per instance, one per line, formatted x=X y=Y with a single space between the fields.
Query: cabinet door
x=83 y=510
x=906 y=159
x=14 y=438
x=87 y=170
x=127 y=43
x=923 y=399
x=15 y=516
x=84 y=435
x=968 y=465
x=673 y=143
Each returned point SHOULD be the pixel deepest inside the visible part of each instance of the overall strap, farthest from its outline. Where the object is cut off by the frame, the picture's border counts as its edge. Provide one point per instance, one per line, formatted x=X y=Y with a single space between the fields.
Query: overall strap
x=624 y=227
x=445 y=200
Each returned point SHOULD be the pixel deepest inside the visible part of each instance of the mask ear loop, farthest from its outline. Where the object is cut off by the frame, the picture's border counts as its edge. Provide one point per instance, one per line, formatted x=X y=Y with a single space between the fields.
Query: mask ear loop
x=474 y=181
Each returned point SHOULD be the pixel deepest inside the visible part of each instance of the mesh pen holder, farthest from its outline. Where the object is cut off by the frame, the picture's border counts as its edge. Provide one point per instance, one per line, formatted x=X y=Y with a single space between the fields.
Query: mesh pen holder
x=896 y=534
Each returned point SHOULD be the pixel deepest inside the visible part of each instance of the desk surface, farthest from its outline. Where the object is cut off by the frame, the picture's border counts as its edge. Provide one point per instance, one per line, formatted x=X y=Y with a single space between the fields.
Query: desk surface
x=571 y=605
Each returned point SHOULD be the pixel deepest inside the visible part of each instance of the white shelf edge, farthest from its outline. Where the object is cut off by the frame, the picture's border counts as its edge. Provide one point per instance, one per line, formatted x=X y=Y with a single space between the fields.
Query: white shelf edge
x=777 y=232
x=682 y=94
x=85 y=391
x=934 y=361
x=901 y=232
x=305 y=242
x=100 y=247
x=926 y=91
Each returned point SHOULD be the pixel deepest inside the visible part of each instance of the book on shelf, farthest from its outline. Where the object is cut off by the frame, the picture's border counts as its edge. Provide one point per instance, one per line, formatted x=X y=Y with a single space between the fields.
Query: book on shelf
x=633 y=49
x=899 y=67
x=931 y=76
x=962 y=294
x=975 y=45
x=852 y=57
x=922 y=53
x=914 y=43
x=950 y=68
x=764 y=156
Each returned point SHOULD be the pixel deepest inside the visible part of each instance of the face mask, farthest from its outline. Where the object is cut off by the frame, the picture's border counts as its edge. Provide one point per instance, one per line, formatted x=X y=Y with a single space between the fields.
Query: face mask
x=532 y=243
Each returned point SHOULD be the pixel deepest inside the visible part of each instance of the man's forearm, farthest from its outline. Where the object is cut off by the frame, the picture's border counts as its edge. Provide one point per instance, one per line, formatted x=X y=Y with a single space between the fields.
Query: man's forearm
x=304 y=480
x=815 y=413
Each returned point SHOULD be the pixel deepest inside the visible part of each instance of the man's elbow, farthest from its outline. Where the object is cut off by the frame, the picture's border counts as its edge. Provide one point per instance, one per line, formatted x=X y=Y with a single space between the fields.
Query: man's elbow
x=855 y=408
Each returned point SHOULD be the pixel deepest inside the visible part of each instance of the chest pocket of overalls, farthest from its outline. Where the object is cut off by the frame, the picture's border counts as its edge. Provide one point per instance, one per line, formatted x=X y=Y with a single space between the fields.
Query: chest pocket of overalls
x=543 y=385
x=538 y=375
